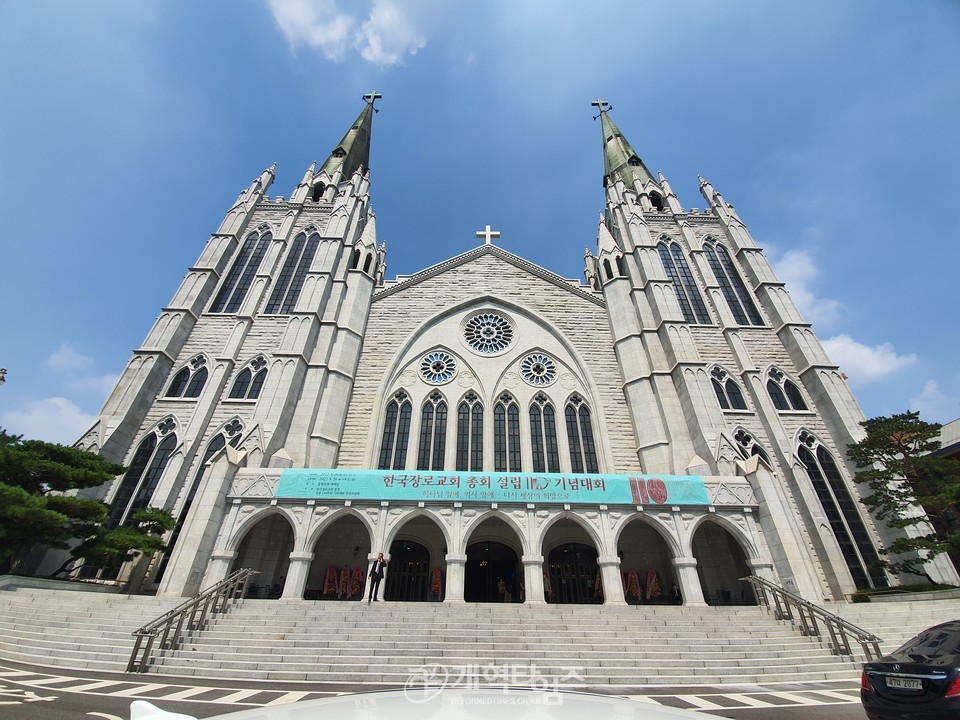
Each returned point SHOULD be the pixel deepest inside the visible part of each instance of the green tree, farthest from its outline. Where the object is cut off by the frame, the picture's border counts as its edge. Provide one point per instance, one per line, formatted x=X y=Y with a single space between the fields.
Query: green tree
x=896 y=461
x=35 y=508
x=142 y=534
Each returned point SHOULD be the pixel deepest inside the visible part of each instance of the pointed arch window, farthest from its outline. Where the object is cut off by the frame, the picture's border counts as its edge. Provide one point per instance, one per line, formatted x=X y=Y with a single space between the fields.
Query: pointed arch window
x=583 y=451
x=842 y=512
x=250 y=380
x=433 y=433
x=543 y=435
x=141 y=479
x=293 y=274
x=470 y=433
x=728 y=392
x=189 y=382
x=731 y=284
x=747 y=446
x=238 y=280
x=786 y=396
x=688 y=294
x=396 y=433
x=506 y=435
x=231 y=435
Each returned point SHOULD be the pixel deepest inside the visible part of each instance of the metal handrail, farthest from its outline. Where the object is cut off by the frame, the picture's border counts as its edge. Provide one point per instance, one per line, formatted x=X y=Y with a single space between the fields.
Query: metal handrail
x=788 y=606
x=187 y=617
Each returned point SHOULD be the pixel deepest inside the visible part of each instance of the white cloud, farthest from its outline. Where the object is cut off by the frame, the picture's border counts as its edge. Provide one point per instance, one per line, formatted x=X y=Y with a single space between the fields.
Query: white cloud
x=864 y=363
x=798 y=270
x=382 y=34
x=67 y=360
x=54 y=419
x=933 y=405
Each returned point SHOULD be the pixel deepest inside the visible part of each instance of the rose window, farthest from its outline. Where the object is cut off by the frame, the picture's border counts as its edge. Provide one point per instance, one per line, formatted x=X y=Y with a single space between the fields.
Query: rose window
x=538 y=370
x=438 y=367
x=488 y=333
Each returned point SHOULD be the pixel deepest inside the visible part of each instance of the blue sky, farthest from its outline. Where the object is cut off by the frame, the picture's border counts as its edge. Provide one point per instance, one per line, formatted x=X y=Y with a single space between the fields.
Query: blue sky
x=128 y=128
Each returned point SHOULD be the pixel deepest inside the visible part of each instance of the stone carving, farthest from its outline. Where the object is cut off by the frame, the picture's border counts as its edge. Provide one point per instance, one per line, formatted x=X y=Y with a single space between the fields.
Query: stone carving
x=568 y=381
x=246 y=509
x=408 y=378
x=446 y=514
x=542 y=516
x=731 y=494
x=321 y=510
x=469 y=513
x=254 y=487
x=510 y=379
x=613 y=518
x=466 y=379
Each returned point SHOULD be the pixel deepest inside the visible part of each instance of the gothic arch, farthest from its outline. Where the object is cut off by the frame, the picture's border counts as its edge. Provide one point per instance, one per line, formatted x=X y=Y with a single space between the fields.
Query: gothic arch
x=471 y=526
x=250 y=522
x=313 y=537
x=747 y=545
x=665 y=532
x=590 y=529
x=394 y=530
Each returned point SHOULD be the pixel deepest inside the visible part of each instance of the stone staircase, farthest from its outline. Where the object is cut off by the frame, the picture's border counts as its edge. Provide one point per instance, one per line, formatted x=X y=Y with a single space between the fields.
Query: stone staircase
x=359 y=646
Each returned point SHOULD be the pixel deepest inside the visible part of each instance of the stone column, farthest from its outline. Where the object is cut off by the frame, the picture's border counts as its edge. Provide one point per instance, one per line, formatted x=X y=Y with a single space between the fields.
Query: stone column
x=219 y=567
x=297 y=572
x=612 y=584
x=533 y=579
x=690 y=588
x=455 y=578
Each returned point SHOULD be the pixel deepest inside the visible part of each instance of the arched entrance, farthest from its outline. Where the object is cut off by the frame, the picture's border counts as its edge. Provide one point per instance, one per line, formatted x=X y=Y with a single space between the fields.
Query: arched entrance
x=416 y=568
x=408 y=572
x=646 y=565
x=721 y=562
x=492 y=573
x=266 y=548
x=339 y=567
x=572 y=574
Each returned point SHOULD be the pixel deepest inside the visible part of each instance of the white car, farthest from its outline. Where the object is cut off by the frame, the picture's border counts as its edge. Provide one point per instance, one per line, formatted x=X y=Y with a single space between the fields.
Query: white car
x=489 y=703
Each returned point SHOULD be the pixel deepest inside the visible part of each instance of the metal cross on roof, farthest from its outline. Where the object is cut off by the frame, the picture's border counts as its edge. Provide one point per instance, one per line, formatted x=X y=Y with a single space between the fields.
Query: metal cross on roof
x=603 y=105
x=488 y=234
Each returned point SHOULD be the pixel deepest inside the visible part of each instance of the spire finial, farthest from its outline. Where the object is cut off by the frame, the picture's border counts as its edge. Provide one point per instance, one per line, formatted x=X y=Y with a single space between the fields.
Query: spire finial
x=603 y=105
x=371 y=98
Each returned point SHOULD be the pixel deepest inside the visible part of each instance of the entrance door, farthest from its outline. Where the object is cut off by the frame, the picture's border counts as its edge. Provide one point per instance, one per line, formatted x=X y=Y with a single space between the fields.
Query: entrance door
x=408 y=574
x=489 y=563
x=573 y=574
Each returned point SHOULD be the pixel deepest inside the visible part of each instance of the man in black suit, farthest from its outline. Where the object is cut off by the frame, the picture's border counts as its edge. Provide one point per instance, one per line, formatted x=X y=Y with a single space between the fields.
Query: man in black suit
x=376 y=575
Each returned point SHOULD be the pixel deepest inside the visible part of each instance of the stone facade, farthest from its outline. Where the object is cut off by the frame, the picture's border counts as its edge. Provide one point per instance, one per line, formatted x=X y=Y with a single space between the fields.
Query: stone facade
x=681 y=354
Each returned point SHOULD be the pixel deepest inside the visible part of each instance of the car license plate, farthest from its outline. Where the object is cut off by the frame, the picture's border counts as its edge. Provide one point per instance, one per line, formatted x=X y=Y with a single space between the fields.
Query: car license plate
x=904 y=683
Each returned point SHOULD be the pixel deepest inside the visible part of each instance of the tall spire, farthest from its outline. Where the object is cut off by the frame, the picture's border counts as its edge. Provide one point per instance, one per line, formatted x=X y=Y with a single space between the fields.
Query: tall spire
x=620 y=161
x=353 y=151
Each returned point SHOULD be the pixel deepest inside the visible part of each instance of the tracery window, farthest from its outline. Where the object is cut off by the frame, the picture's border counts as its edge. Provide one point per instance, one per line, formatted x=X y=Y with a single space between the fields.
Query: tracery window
x=728 y=392
x=250 y=380
x=293 y=274
x=543 y=435
x=688 y=294
x=433 y=433
x=842 y=513
x=784 y=393
x=244 y=269
x=488 y=332
x=470 y=433
x=747 y=446
x=189 y=382
x=396 y=433
x=538 y=369
x=583 y=451
x=141 y=479
x=731 y=284
x=506 y=435
x=231 y=434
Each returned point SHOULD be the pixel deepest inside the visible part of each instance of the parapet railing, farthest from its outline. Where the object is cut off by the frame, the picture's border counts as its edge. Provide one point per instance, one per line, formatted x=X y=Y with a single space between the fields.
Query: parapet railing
x=193 y=615
x=788 y=606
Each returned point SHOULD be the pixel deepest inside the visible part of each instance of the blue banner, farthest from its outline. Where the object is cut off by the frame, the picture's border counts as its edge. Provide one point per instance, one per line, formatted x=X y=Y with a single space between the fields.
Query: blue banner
x=427 y=486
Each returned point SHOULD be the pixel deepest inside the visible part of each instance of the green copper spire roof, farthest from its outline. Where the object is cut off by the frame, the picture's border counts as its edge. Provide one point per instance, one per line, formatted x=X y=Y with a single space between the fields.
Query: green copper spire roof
x=620 y=161
x=354 y=150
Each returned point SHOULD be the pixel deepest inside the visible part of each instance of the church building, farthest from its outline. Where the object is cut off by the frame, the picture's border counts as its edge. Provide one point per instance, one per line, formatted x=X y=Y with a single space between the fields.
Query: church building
x=650 y=434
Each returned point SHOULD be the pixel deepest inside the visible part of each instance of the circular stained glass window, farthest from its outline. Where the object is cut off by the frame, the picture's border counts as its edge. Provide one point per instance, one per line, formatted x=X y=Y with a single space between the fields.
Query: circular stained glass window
x=438 y=367
x=538 y=369
x=488 y=333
